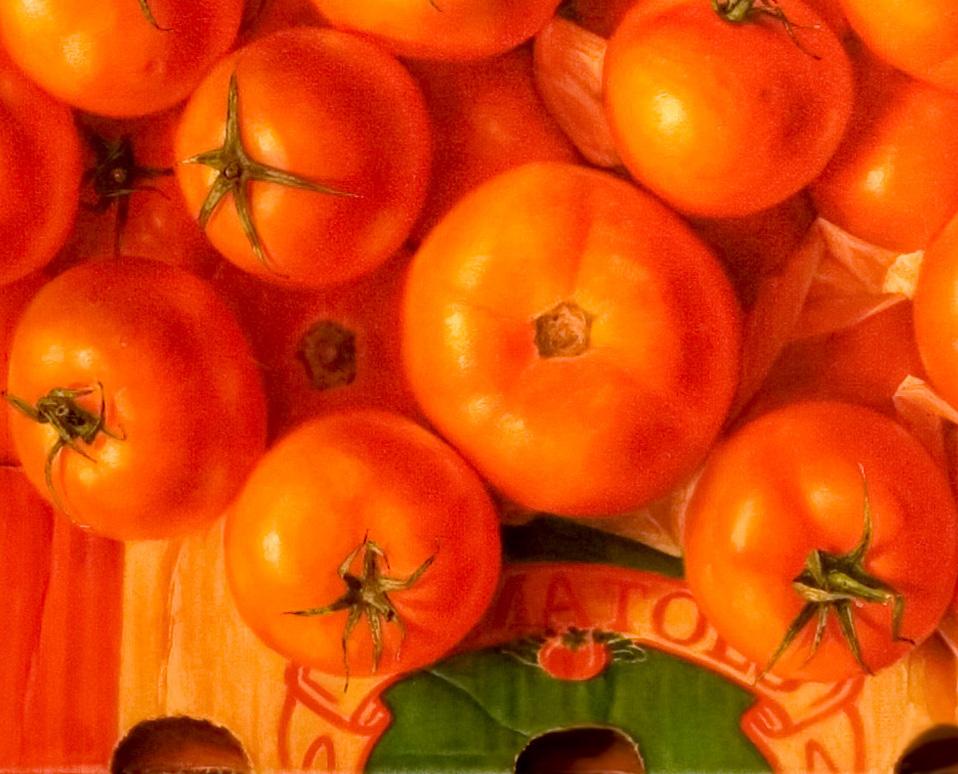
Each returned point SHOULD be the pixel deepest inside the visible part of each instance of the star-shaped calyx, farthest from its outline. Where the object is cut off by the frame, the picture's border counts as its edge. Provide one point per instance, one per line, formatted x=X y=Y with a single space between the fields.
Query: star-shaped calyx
x=237 y=170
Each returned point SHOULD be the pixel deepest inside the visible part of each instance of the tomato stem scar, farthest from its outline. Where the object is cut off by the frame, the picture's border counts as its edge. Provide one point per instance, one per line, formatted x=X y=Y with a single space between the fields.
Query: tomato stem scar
x=836 y=582
x=328 y=352
x=563 y=331
x=368 y=595
x=237 y=170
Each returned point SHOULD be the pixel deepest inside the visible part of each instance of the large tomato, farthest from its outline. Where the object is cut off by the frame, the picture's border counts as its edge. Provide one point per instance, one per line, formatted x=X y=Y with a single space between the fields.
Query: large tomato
x=442 y=29
x=40 y=158
x=936 y=319
x=893 y=181
x=118 y=57
x=306 y=154
x=826 y=519
x=572 y=337
x=919 y=38
x=127 y=412
x=362 y=543
x=723 y=118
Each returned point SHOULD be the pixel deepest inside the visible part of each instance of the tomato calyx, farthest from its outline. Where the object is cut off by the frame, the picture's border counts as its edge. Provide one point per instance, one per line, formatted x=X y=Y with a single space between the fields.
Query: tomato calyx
x=237 y=170
x=368 y=595
x=148 y=14
x=115 y=176
x=72 y=423
x=744 y=11
x=839 y=582
x=563 y=331
x=328 y=352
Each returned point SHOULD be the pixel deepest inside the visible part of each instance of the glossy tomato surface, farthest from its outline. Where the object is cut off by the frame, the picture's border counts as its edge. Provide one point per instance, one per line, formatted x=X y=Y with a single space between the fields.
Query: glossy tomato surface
x=725 y=119
x=339 y=114
x=794 y=481
x=118 y=57
x=182 y=417
x=325 y=493
x=571 y=337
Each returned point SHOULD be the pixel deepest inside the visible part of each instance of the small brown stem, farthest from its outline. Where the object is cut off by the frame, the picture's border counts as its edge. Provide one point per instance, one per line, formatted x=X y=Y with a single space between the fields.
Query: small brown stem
x=563 y=331
x=328 y=352
x=745 y=11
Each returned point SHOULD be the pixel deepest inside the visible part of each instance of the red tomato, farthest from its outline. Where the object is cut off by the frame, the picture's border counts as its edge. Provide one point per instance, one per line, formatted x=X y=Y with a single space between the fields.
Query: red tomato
x=41 y=168
x=264 y=17
x=936 y=321
x=846 y=485
x=487 y=117
x=324 y=350
x=325 y=169
x=128 y=413
x=721 y=118
x=442 y=29
x=572 y=338
x=919 y=38
x=893 y=181
x=118 y=57
x=374 y=533
x=573 y=655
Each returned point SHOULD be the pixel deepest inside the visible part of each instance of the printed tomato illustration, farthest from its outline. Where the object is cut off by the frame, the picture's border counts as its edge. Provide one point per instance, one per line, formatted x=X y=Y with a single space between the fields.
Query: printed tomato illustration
x=572 y=338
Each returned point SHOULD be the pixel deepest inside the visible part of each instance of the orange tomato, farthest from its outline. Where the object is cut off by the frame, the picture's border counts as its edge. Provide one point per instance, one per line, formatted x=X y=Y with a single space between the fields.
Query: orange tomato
x=487 y=117
x=919 y=38
x=346 y=510
x=893 y=181
x=835 y=482
x=442 y=29
x=40 y=166
x=572 y=338
x=118 y=57
x=128 y=414
x=328 y=156
x=725 y=119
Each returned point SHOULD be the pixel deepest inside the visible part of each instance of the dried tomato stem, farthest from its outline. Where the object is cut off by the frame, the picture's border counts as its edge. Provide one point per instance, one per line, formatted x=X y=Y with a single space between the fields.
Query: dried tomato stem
x=745 y=11
x=836 y=582
x=148 y=13
x=563 y=331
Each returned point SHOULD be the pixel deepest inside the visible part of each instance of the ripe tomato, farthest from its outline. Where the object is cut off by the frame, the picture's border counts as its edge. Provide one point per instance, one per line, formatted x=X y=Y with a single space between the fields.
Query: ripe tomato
x=573 y=655
x=148 y=423
x=40 y=159
x=487 y=117
x=725 y=119
x=312 y=195
x=893 y=180
x=367 y=527
x=326 y=349
x=837 y=483
x=442 y=29
x=919 y=38
x=572 y=338
x=118 y=57
x=936 y=321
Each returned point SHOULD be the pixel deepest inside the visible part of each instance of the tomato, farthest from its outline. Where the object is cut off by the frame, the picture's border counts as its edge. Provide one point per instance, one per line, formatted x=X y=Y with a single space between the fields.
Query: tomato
x=40 y=160
x=841 y=483
x=132 y=204
x=326 y=349
x=574 y=655
x=326 y=167
x=362 y=544
x=118 y=57
x=487 y=117
x=893 y=180
x=725 y=119
x=127 y=413
x=572 y=338
x=936 y=323
x=831 y=12
x=920 y=38
x=600 y=17
x=264 y=17
x=442 y=29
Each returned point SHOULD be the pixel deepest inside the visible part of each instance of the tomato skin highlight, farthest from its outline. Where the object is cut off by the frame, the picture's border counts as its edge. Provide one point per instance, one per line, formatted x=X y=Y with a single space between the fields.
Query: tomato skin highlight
x=788 y=483
x=758 y=120
x=590 y=434
x=360 y=127
x=187 y=408
x=107 y=57
x=317 y=495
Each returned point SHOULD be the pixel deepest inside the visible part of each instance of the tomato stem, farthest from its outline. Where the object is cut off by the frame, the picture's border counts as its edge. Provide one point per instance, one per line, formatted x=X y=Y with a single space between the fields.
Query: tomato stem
x=328 y=351
x=237 y=170
x=148 y=13
x=563 y=331
x=836 y=582
x=745 y=11
x=368 y=595
x=59 y=409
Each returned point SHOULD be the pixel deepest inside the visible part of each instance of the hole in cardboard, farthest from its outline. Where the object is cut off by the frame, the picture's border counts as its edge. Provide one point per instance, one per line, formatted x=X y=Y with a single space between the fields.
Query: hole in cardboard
x=581 y=750
x=933 y=752
x=170 y=745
